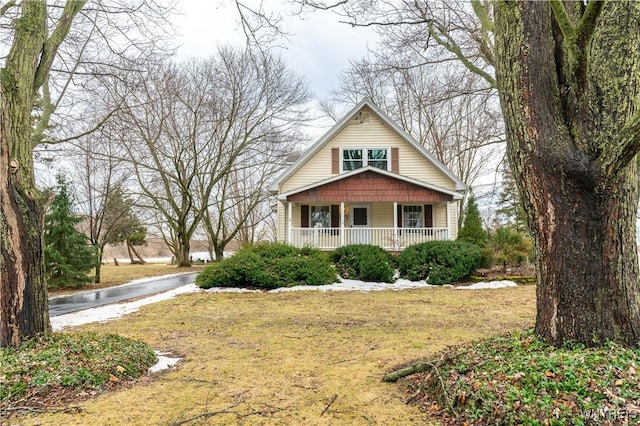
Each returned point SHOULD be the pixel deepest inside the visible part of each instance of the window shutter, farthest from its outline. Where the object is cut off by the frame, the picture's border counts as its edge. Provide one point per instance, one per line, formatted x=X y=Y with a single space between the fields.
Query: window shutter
x=428 y=216
x=395 y=160
x=399 y=214
x=335 y=161
x=335 y=216
x=304 y=216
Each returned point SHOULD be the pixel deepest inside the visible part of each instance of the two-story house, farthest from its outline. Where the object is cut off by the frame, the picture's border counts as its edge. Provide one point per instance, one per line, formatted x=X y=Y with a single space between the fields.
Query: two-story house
x=366 y=181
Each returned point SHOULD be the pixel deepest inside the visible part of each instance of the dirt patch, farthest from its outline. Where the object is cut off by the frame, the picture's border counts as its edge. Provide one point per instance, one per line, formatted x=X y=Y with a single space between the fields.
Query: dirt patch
x=293 y=358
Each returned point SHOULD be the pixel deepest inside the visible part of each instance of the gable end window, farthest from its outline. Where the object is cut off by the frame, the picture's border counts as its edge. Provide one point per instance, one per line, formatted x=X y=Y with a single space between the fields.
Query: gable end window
x=355 y=158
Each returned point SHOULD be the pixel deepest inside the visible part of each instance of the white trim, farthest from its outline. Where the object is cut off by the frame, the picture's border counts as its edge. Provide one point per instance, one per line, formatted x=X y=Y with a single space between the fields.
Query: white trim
x=341 y=223
x=449 y=219
x=289 y=222
x=365 y=156
x=395 y=226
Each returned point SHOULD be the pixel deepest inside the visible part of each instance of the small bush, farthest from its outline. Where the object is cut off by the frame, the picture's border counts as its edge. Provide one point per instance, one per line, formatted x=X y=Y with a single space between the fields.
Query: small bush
x=269 y=266
x=439 y=262
x=364 y=262
x=80 y=361
x=508 y=247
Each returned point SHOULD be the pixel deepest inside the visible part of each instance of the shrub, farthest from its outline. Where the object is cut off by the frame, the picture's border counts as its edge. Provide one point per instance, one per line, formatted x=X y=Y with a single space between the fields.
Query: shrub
x=269 y=266
x=439 y=262
x=243 y=269
x=364 y=262
x=508 y=247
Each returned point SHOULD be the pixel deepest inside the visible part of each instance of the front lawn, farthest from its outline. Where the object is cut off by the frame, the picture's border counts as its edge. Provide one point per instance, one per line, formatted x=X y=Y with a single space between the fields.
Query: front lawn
x=291 y=358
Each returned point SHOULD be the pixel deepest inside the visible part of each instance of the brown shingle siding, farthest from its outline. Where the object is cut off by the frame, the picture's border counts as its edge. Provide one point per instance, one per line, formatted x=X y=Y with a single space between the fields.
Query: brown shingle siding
x=369 y=187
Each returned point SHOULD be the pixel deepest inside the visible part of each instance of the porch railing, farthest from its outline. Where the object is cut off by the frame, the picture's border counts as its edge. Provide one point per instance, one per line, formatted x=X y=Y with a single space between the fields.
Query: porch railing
x=393 y=239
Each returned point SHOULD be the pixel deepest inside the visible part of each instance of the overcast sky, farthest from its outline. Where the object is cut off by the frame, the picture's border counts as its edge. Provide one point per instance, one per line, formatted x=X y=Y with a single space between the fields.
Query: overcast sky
x=319 y=48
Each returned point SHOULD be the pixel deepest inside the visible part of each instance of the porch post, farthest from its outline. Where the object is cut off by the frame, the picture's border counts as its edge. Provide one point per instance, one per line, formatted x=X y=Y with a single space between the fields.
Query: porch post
x=341 y=223
x=395 y=226
x=289 y=223
x=448 y=220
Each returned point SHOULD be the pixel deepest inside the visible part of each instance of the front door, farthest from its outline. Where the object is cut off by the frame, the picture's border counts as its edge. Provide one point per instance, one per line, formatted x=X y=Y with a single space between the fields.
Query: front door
x=360 y=224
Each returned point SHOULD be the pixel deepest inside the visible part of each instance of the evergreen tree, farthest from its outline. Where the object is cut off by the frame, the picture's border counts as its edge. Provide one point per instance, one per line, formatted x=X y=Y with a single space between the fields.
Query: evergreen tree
x=510 y=212
x=68 y=255
x=472 y=230
x=508 y=247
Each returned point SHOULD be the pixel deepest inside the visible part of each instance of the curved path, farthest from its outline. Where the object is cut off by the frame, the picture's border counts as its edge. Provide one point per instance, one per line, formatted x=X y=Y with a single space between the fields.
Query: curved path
x=91 y=299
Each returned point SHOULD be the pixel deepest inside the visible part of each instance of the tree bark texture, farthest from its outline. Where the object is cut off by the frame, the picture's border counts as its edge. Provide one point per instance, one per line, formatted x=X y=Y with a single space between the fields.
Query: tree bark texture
x=570 y=93
x=23 y=293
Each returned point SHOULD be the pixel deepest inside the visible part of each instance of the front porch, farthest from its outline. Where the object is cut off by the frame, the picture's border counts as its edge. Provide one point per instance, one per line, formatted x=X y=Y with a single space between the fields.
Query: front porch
x=367 y=206
x=391 y=239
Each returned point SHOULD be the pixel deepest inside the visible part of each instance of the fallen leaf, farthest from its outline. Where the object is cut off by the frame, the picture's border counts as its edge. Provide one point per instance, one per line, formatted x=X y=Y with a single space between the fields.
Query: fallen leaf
x=619 y=382
x=113 y=378
x=519 y=375
x=120 y=369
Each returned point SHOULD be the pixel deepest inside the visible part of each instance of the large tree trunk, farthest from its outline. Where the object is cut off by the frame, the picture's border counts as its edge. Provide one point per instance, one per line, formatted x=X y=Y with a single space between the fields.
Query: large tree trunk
x=23 y=293
x=570 y=116
x=218 y=251
x=182 y=250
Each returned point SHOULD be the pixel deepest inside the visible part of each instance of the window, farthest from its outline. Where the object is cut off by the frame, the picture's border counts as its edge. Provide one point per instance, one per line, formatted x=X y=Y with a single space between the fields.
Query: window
x=412 y=217
x=320 y=217
x=353 y=159
x=377 y=158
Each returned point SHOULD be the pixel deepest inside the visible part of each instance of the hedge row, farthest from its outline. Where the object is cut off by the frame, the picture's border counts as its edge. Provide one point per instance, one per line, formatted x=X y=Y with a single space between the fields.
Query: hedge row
x=273 y=265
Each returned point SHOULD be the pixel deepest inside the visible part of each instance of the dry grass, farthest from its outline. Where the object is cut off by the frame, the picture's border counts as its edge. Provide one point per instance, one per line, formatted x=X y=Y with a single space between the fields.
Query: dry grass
x=293 y=358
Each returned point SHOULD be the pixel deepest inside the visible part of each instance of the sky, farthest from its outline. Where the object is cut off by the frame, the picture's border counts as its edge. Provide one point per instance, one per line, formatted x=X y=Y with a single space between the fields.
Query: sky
x=319 y=47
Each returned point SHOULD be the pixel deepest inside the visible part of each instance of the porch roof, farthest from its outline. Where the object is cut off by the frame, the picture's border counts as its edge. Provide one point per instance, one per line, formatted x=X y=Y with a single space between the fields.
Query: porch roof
x=369 y=184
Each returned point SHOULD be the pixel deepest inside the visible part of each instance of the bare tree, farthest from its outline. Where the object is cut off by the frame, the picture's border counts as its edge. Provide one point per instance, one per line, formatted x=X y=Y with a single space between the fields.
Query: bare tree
x=189 y=126
x=241 y=202
x=45 y=43
x=455 y=116
x=101 y=178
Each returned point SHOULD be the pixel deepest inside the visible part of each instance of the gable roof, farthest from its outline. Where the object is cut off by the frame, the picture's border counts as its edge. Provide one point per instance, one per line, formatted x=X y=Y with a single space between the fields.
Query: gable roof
x=341 y=124
x=343 y=176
